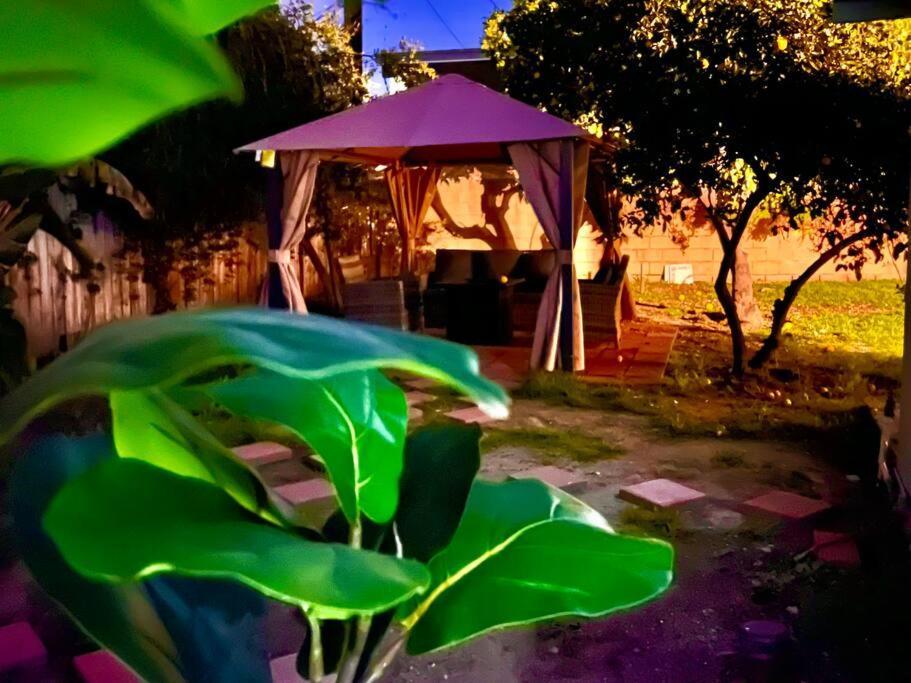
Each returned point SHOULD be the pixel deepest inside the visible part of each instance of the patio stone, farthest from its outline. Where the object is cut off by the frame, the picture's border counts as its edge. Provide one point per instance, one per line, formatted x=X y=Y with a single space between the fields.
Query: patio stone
x=417 y=397
x=263 y=453
x=284 y=669
x=660 y=493
x=472 y=415
x=20 y=649
x=103 y=667
x=306 y=491
x=835 y=548
x=788 y=504
x=554 y=476
x=422 y=383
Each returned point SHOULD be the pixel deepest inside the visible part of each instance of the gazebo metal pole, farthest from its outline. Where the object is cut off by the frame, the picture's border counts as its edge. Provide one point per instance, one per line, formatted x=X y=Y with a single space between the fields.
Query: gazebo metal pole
x=274 y=200
x=566 y=219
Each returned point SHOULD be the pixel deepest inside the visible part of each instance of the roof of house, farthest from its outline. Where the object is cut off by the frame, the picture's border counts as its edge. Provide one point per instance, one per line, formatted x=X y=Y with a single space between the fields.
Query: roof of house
x=447 y=120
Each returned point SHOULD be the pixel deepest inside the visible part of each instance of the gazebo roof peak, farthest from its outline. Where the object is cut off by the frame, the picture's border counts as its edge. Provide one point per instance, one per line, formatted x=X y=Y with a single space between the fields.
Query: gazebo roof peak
x=450 y=119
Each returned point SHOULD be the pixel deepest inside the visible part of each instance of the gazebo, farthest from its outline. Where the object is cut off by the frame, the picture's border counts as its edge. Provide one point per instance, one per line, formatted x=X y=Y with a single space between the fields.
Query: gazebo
x=450 y=121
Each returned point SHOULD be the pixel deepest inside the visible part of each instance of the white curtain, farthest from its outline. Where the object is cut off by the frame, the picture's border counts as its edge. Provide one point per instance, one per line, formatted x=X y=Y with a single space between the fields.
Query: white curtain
x=539 y=166
x=298 y=171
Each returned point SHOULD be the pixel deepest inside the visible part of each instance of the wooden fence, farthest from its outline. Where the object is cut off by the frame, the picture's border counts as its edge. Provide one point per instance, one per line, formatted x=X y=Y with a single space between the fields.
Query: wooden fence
x=57 y=308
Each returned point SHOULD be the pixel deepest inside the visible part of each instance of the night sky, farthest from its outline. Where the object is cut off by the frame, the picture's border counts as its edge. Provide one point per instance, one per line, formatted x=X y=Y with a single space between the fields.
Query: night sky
x=435 y=24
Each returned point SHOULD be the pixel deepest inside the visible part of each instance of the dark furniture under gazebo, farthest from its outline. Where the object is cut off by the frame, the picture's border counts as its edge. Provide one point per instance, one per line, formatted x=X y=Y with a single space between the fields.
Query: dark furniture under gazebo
x=450 y=121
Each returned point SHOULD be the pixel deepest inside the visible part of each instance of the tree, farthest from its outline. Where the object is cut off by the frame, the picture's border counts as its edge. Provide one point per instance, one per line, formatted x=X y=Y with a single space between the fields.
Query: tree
x=725 y=109
x=294 y=68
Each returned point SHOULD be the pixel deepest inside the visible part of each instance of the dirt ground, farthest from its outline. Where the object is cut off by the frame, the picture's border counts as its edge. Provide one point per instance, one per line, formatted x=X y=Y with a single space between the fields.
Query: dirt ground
x=734 y=564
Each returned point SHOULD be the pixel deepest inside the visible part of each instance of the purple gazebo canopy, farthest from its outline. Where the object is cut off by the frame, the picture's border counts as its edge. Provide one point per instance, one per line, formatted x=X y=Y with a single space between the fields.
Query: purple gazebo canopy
x=450 y=120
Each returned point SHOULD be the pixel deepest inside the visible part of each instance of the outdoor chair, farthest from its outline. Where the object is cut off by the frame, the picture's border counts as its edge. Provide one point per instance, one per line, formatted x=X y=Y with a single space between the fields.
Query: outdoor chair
x=379 y=302
x=601 y=298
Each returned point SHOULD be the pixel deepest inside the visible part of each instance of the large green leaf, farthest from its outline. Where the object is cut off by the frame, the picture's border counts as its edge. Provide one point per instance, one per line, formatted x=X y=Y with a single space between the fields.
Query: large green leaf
x=164 y=629
x=160 y=522
x=208 y=16
x=441 y=462
x=149 y=426
x=76 y=77
x=526 y=552
x=162 y=351
x=120 y=618
x=355 y=421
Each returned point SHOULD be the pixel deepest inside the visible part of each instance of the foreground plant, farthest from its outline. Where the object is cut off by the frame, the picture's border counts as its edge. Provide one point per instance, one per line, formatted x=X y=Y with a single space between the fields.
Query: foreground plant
x=157 y=539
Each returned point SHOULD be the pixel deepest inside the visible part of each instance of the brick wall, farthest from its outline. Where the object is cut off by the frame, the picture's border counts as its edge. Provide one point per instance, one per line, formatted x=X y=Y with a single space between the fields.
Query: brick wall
x=771 y=258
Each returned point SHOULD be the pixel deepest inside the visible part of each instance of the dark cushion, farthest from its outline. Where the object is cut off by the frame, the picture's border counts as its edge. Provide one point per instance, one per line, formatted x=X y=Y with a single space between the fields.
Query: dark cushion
x=452 y=266
x=492 y=265
x=538 y=265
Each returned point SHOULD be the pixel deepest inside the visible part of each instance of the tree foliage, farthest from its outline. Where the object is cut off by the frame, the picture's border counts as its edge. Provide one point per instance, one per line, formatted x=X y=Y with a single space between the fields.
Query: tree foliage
x=728 y=109
x=294 y=68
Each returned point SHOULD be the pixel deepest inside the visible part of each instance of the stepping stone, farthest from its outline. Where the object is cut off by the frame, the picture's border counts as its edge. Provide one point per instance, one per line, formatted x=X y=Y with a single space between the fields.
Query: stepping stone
x=263 y=453
x=788 y=504
x=422 y=383
x=659 y=493
x=836 y=548
x=503 y=375
x=103 y=667
x=301 y=492
x=13 y=593
x=554 y=476
x=472 y=415
x=284 y=669
x=417 y=397
x=20 y=650
x=414 y=414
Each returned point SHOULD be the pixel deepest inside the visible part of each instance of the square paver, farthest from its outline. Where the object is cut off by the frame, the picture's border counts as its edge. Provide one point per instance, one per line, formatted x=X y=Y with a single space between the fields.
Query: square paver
x=549 y=474
x=661 y=493
x=787 y=504
x=422 y=383
x=417 y=397
x=263 y=453
x=835 y=548
x=20 y=648
x=284 y=669
x=305 y=491
x=472 y=415
x=103 y=667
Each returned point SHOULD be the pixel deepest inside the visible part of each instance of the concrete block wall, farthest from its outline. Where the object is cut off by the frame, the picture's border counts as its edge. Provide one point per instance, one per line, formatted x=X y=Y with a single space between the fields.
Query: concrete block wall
x=772 y=258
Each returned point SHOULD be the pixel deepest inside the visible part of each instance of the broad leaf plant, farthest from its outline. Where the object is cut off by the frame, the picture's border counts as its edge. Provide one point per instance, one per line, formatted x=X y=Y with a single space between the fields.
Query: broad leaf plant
x=163 y=545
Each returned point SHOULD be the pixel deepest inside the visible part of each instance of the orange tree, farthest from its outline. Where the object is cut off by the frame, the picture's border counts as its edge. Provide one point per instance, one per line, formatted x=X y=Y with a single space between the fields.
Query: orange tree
x=725 y=110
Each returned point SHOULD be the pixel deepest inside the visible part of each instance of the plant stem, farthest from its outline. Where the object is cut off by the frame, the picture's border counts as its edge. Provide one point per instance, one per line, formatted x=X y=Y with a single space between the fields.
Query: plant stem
x=316 y=648
x=386 y=653
x=348 y=670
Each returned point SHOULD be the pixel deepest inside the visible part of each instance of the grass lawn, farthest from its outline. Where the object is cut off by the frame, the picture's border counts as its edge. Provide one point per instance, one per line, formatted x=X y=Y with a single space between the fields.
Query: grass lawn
x=841 y=352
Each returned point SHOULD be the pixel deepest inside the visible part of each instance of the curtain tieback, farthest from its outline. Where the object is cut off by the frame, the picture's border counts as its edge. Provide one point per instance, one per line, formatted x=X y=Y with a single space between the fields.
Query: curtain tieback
x=279 y=256
x=564 y=257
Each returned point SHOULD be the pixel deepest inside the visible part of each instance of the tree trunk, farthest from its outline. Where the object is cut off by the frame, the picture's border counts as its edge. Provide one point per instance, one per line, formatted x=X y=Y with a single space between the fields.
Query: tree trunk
x=726 y=299
x=782 y=307
x=747 y=310
x=321 y=272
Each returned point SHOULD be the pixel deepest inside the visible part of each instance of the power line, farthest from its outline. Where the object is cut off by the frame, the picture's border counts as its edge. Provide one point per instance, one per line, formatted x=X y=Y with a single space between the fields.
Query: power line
x=443 y=21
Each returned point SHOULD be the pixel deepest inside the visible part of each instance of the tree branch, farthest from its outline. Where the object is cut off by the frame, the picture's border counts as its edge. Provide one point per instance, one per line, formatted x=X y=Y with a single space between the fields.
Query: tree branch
x=782 y=306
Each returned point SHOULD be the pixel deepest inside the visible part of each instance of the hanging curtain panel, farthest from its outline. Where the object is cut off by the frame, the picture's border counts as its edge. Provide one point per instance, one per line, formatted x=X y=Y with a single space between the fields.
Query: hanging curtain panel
x=288 y=197
x=411 y=191
x=553 y=175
